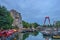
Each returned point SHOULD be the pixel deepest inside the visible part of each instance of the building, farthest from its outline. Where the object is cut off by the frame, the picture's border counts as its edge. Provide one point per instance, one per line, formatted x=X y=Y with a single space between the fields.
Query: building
x=17 y=18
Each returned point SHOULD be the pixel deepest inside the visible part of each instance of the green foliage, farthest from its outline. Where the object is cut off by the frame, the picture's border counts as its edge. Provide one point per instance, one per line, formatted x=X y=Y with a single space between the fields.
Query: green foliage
x=5 y=18
x=26 y=24
x=29 y=25
x=25 y=36
x=57 y=24
x=35 y=25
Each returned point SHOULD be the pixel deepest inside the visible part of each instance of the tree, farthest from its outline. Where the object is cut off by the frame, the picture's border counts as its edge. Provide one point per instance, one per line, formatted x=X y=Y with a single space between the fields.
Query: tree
x=57 y=24
x=35 y=25
x=29 y=25
x=5 y=18
x=26 y=24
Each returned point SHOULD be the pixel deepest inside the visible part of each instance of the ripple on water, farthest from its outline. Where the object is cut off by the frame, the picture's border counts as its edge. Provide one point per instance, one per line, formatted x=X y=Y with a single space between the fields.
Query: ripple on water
x=38 y=37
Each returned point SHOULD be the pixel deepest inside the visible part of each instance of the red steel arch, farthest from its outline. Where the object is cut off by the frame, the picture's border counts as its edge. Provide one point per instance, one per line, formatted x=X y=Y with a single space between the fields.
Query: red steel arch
x=47 y=17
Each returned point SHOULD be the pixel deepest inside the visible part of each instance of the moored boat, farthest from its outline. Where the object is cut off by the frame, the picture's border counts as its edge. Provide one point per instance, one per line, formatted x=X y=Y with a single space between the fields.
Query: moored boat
x=56 y=37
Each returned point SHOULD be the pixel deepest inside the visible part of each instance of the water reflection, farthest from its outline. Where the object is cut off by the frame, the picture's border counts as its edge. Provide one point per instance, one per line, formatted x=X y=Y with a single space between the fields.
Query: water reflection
x=26 y=35
x=32 y=36
x=37 y=37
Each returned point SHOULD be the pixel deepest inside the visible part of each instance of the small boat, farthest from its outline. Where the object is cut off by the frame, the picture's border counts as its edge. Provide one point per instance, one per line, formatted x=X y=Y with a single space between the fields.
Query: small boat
x=46 y=33
x=56 y=37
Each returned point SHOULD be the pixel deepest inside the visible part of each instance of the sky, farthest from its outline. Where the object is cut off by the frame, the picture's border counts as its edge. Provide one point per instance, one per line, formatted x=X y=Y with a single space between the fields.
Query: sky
x=35 y=10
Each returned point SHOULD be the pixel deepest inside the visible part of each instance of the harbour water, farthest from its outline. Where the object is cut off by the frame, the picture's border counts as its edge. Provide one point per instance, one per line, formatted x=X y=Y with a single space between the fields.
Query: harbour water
x=33 y=36
x=29 y=36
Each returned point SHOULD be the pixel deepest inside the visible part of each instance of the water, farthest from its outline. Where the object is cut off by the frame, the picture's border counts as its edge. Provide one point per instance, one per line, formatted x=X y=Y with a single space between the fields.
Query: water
x=31 y=36
x=37 y=36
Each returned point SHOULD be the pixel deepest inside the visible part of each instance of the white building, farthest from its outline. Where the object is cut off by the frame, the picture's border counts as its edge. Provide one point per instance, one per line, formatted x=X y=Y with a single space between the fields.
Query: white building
x=17 y=18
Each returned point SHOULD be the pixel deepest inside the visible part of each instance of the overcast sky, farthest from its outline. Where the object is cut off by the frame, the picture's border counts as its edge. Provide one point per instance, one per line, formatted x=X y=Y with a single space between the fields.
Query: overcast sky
x=35 y=10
